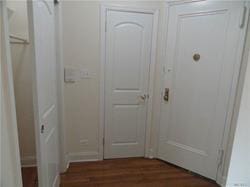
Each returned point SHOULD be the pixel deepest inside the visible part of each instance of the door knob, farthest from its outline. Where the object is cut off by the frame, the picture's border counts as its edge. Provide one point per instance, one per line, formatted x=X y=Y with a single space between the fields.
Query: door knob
x=143 y=97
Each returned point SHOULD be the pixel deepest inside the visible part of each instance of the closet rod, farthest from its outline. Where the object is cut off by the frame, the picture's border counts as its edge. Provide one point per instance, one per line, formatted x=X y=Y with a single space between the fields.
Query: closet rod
x=23 y=41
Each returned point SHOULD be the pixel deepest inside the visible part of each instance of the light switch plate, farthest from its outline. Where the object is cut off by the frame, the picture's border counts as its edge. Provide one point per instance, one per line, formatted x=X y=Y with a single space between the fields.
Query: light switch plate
x=85 y=74
x=71 y=75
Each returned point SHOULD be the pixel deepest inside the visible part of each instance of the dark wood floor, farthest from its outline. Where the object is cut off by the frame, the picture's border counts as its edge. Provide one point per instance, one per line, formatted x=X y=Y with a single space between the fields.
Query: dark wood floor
x=29 y=176
x=133 y=172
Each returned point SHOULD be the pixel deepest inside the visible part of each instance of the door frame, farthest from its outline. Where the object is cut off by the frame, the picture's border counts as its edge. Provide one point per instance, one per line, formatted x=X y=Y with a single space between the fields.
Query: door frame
x=64 y=162
x=229 y=129
x=103 y=17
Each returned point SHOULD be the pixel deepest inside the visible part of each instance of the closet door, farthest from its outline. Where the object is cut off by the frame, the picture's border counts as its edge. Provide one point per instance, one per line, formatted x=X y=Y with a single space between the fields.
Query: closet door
x=41 y=14
x=202 y=42
x=128 y=52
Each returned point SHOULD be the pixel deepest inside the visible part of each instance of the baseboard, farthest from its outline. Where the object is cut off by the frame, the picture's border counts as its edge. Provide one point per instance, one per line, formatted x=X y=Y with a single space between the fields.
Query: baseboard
x=56 y=182
x=150 y=154
x=67 y=162
x=28 y=161
x=64 y=165
x=83 y=156
x=221 y=180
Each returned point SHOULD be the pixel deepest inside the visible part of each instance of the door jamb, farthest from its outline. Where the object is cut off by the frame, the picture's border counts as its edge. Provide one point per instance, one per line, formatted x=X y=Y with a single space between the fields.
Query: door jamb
x=237 y=88
x=230 y=123
x=103 y=10
x=64 y=162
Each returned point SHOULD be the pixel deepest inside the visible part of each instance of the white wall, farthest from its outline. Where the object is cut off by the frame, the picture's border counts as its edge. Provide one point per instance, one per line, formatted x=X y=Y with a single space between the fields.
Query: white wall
x=239 y=168
x=22 y=72
x=81 y=49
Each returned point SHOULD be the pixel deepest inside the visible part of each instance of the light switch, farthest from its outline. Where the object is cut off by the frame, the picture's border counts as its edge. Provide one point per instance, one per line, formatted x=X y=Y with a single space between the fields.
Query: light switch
x=71 y=75
x=84 y=74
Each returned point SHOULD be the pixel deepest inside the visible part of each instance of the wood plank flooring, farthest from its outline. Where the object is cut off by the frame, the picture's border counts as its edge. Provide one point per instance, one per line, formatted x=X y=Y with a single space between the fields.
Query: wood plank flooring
x=132 y=172
x=29 y=176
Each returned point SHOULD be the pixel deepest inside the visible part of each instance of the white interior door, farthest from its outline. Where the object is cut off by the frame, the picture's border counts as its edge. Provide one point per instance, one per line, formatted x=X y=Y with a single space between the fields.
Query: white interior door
x=202 y=42
x=41 y=14
x=128 y=51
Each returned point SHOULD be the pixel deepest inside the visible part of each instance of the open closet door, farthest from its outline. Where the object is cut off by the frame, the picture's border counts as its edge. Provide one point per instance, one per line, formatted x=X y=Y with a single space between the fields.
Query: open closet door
x=42 y=25
x=203 y=42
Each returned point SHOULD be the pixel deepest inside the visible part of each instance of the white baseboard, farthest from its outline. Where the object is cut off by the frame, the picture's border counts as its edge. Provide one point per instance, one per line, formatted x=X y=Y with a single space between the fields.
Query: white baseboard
x=28 y=161
x=221 y=180
x=67 y=162
x=64 y=165
x=83 y=156
x=56 y=182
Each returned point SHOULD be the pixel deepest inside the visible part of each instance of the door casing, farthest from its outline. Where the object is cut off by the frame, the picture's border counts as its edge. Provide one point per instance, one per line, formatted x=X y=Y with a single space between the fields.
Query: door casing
x=155 y=12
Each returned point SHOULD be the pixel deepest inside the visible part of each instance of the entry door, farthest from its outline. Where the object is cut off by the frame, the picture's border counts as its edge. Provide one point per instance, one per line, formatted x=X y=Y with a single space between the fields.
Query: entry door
x=202 y=42
x=128 y=51
x=41 y=14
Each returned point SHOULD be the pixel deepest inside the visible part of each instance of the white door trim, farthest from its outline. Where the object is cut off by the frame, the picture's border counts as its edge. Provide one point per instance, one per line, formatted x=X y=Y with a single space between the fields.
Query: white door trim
x=226 y=142
x=64 y=162
x=234 y=104
x=155 y=12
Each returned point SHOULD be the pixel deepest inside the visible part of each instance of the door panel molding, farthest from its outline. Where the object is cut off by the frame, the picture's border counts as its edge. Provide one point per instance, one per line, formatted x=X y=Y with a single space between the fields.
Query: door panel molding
x=103 y=10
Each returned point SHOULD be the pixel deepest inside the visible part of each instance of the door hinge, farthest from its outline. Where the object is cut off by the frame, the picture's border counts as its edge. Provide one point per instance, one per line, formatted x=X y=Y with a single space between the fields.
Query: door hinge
x=42 y=129
x=243 y=16
x=220 y=157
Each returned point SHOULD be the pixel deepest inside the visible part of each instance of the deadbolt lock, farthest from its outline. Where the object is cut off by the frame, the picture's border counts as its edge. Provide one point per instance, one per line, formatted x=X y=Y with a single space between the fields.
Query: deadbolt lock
x=166 y=94
x=196 y=57
x=42 y=129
